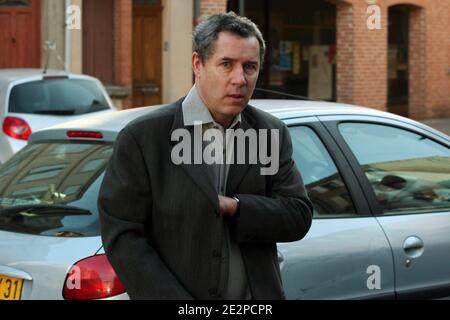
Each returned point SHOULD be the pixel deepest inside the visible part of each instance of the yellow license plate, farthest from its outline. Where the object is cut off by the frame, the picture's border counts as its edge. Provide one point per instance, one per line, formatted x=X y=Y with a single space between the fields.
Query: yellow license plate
x=10 y=288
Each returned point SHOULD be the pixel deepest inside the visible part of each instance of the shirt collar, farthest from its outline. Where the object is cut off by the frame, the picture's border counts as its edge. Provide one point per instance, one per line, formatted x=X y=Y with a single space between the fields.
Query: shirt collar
x=195 y=110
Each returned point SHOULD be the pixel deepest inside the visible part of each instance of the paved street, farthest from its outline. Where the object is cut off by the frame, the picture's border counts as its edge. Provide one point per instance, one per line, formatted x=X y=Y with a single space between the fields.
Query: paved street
x=439 y=124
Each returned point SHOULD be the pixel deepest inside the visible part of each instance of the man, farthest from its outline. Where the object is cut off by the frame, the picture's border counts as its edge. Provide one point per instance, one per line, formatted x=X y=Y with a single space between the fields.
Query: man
x=203 y=231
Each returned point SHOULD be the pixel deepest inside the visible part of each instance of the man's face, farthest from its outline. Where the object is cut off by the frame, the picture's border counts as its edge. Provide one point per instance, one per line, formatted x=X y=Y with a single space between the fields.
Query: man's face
x=226 y=80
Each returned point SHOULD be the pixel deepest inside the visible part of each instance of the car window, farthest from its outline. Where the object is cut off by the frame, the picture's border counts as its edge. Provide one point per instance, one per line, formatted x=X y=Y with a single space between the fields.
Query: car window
x=57 y=97
x=51 y=174
x=407 y=171
x=323 y=182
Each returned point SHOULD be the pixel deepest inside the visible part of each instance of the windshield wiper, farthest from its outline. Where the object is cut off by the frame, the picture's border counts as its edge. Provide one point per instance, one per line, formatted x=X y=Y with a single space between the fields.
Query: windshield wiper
x=44 y=209
x=97 y=105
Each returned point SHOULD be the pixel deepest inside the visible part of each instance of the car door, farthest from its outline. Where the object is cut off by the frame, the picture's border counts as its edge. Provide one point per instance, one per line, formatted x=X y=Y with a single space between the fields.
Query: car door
x=345 y=251
x=405 y=172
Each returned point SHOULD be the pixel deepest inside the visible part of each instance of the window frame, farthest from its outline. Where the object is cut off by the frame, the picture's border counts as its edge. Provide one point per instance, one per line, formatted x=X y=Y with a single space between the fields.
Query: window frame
x=332 y=122
x=362 y=209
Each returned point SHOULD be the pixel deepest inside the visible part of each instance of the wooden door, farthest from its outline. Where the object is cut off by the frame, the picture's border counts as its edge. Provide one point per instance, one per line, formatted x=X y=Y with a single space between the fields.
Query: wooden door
x=147 y=70
x=20 y=34
x=98 y=41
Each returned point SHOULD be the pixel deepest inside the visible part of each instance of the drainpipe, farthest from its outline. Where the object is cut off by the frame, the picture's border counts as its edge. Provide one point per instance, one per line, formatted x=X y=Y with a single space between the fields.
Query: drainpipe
x=68 y=37
x=242 y=7
x=197 y=11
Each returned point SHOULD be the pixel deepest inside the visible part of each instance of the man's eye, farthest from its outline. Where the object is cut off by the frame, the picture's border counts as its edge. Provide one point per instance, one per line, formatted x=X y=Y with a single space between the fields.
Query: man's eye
x=250 y=68
x=226 y=64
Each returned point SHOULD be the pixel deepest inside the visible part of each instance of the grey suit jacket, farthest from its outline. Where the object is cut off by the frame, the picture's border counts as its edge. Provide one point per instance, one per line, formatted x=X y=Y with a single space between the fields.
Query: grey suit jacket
x=160 y=222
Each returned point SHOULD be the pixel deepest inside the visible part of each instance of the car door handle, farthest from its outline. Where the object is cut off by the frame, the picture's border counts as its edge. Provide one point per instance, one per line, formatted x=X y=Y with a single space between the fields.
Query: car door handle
x=413 y=246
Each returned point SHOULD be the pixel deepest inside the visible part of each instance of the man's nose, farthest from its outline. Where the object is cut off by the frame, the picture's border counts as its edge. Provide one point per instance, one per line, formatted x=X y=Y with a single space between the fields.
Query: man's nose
x=238 y=76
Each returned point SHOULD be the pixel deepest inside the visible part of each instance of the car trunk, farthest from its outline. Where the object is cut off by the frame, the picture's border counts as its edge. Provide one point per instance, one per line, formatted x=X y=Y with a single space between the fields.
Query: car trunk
x=37 y=121
x=41 y=262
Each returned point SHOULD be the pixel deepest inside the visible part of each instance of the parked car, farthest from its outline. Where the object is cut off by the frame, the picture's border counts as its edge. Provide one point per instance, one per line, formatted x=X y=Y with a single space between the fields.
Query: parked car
x=31 y=100
x=380 y=185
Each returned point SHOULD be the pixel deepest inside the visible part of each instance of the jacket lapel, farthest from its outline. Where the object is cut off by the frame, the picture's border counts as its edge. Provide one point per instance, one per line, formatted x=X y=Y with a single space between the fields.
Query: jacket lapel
x=236 y=171
x=199 y=173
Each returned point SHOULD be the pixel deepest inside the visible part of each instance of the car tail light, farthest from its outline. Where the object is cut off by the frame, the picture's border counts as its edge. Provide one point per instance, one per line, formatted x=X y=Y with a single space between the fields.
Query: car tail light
x=92 y=278
x=85 y=134
x=16 y=128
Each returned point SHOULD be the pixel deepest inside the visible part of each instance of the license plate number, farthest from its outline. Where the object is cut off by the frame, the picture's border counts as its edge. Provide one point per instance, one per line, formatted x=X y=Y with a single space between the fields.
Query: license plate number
x=10 y=288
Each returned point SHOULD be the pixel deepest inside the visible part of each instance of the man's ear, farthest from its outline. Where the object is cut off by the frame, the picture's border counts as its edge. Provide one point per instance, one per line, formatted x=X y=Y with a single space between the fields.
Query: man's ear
x=196 y=63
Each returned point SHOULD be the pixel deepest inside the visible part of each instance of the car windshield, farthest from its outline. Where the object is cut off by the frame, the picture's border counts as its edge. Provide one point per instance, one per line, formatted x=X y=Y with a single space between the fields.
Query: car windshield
x=59 y=96
x=51 y=189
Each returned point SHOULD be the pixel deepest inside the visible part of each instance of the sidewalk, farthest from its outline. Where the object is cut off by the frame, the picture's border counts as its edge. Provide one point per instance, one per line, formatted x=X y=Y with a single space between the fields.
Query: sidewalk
x=442 y=125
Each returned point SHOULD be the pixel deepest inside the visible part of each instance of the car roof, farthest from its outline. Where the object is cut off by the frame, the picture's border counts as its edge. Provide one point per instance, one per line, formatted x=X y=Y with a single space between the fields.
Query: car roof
x=11 y=75
x=110 y=124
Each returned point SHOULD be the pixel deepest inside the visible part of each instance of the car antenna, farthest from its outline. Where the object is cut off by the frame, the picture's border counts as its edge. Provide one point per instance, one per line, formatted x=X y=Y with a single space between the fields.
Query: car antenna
x=49 y=47
x=287 y=94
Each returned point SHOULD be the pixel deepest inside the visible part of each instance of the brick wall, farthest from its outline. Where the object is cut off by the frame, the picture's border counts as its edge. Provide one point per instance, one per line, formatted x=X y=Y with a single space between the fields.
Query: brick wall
x=363 y=55
x=123 y=45
x=362 y=63
x=437 y=57
x=344 y=72
x=208 y=7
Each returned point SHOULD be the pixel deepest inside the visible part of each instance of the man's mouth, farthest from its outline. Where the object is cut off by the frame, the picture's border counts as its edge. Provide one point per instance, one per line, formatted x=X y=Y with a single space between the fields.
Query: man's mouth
x=236 y=96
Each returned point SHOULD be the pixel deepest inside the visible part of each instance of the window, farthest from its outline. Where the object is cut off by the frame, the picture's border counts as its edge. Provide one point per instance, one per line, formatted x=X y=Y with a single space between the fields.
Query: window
x=301 y=46
x=57 y=97
x=323 y=182
x=42 y=179
x=408 y=172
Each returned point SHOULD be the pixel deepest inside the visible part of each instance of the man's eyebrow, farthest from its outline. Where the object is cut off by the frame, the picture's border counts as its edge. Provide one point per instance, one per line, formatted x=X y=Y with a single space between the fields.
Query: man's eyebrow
x=226 y=59
x=231 y=59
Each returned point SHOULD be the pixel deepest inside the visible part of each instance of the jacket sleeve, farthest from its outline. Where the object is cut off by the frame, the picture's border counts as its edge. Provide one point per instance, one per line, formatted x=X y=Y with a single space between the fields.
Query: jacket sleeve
x=285 y=214
x=125 y=206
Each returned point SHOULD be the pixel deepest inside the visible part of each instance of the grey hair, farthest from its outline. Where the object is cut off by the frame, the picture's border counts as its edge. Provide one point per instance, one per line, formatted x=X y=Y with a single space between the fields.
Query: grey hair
x=207 y=32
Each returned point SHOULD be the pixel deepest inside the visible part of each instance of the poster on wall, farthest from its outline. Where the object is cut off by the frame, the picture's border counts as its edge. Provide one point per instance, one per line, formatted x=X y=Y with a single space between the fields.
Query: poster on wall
x=285 y=58
x=320 y=83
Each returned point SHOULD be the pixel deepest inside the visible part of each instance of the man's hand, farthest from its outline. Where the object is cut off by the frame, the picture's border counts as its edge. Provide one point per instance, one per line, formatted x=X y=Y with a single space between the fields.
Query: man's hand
x=228 y=206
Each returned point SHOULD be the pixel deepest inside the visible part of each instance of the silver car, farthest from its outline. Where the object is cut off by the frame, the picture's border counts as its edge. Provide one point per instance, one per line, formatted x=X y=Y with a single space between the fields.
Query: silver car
x=380 y=185
x=31 y=100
